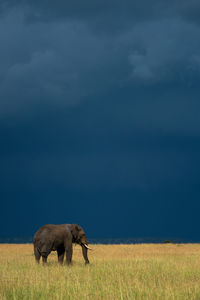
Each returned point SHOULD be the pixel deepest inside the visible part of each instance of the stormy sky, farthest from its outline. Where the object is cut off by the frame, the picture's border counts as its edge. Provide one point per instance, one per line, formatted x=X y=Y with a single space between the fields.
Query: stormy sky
x=99 y=117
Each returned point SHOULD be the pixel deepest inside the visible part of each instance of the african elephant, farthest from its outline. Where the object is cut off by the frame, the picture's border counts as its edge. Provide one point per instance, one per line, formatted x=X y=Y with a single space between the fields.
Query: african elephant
x=59 y=238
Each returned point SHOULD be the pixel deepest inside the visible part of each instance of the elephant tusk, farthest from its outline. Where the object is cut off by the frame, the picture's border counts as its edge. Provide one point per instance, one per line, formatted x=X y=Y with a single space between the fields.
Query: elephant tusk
x=86 y=246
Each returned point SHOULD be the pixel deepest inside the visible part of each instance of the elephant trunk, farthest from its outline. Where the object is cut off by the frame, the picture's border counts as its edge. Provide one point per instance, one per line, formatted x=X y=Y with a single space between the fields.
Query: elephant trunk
x=84 y=251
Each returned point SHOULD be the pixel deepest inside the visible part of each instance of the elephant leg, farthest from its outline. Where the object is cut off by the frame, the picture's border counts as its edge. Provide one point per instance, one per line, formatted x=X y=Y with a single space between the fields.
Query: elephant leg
x=61 y=254
x=84 y=251
x=37 y=254
x=69 y=254
x=45 y=251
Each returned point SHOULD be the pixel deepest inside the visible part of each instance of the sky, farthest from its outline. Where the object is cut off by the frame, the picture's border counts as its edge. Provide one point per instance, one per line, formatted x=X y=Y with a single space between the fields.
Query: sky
x=99 y=117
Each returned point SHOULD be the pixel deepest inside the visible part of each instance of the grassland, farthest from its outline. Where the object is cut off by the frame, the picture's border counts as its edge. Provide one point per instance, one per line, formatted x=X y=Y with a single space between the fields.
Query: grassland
x=144 y=271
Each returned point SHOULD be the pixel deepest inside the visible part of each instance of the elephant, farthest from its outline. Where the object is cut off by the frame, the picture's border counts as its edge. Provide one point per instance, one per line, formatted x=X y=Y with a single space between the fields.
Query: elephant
x=59 y=238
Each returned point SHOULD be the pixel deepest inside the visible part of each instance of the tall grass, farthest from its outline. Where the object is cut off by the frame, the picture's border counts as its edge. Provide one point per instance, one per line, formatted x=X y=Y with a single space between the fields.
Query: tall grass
x=143 y=271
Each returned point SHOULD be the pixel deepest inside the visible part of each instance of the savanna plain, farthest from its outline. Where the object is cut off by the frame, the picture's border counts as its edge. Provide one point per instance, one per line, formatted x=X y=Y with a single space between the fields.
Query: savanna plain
x=144 y=271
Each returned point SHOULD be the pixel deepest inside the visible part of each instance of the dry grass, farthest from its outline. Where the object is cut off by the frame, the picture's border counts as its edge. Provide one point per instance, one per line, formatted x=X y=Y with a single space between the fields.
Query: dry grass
x=116 y=272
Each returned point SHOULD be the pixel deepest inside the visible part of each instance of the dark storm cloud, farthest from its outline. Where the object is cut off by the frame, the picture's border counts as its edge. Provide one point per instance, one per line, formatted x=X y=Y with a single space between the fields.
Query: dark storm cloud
x=67 y=59
x=99 y=105
x=99 y=145
x=191 y=11
x=96 y=163
x=90 y=10
x=59 y=63
x=118 y=14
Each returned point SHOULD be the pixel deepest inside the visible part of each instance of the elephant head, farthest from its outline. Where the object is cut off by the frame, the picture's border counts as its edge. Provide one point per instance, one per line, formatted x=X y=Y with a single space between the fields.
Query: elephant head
x=78 y=236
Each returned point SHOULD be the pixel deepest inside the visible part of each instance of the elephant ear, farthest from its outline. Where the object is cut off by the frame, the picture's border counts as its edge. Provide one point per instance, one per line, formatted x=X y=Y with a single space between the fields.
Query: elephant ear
x=75 y=230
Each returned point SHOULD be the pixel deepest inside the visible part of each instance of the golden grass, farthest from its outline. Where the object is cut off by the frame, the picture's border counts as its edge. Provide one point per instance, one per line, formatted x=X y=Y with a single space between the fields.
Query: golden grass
x=146 y=271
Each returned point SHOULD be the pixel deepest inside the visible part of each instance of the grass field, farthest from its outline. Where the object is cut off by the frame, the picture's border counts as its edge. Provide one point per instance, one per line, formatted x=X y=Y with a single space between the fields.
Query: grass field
x=145 y=271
